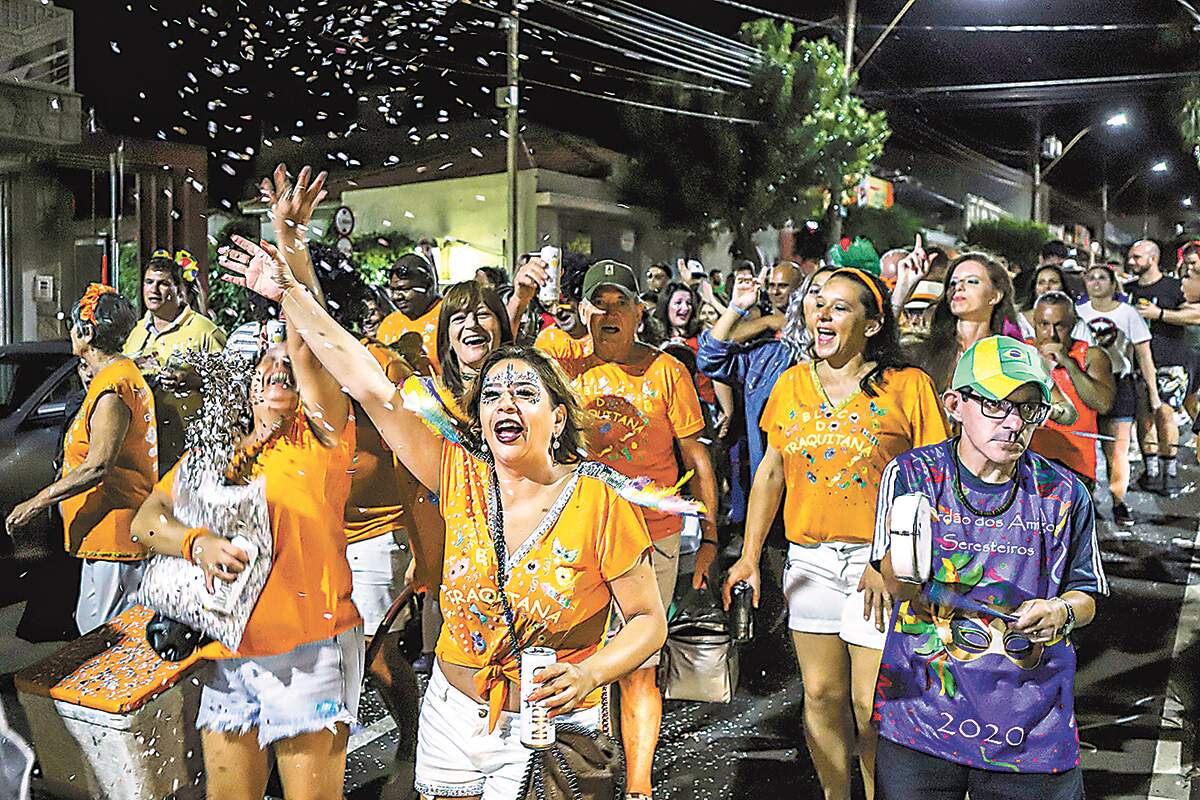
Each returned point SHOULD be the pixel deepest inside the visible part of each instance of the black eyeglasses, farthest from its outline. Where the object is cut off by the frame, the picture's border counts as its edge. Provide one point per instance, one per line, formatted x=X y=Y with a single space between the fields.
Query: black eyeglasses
x=1031 y=413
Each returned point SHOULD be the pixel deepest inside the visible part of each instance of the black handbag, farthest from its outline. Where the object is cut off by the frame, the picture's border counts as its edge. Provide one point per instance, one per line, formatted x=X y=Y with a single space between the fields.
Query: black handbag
x=171 y=639
x=582 y=764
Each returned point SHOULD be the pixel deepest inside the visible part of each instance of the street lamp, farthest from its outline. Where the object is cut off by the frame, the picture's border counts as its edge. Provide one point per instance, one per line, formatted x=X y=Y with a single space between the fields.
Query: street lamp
x=1118 y=120
x=1161 y=166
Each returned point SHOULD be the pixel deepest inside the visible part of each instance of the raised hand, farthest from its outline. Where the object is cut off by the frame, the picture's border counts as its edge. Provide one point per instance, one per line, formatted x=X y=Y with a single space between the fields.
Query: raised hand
x=292 y=205
x=258 y=267
x=745 y=292
x=530 y=277
x=915 y=266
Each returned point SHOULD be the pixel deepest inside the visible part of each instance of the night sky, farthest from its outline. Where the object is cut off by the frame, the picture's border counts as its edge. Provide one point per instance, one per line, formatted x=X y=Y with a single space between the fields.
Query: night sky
x=227 y=73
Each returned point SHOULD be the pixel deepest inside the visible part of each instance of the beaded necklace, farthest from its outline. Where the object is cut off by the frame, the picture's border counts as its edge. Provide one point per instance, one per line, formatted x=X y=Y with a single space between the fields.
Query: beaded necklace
x=962 y=495
x=241 y=466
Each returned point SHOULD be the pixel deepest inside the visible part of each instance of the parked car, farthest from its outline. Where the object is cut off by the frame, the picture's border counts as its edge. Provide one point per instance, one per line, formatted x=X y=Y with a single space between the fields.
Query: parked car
x=39 y=387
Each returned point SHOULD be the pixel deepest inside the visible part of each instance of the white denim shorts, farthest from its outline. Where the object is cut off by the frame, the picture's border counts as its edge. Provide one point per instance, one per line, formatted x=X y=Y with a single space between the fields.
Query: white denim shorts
x=820 y=583
x=106 y=589
x=310 y=688
x=457 y=757
x=377 y=566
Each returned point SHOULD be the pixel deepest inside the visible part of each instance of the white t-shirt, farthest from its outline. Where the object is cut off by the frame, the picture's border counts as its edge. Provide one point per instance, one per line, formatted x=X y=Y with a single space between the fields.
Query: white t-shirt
x=1131 y=330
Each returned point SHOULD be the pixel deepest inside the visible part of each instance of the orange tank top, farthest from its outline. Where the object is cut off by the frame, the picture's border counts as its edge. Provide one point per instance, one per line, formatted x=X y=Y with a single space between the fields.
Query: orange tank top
x=307 y=594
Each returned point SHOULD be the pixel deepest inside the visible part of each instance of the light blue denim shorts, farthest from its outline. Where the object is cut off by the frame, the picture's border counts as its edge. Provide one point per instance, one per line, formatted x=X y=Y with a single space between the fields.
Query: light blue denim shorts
x=310 y=688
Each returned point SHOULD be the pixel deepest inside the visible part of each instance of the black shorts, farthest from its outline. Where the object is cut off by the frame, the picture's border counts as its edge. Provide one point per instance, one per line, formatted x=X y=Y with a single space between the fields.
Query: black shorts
x=902 y=774
x=1124 y=407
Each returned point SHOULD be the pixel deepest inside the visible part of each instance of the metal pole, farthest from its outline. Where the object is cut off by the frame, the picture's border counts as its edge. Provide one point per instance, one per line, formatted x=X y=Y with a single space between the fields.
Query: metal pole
x=1104 y=219
x=1036 y=216
x=851 y=28
x=835 y=181
x=113 y=247
x=514 y=104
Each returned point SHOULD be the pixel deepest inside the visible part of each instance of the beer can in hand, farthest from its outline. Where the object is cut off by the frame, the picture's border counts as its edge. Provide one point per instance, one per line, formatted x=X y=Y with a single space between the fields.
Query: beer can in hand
x=548 y=294
x=537 y=729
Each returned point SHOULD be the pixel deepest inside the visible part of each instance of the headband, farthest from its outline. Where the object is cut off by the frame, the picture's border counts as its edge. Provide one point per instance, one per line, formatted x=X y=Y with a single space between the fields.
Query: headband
x=189 y=265
x=866 y=279
x=90 y=299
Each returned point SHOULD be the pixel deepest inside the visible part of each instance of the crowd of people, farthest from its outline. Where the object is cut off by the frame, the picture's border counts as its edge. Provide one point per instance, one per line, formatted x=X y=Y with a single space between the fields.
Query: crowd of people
x=537 y=472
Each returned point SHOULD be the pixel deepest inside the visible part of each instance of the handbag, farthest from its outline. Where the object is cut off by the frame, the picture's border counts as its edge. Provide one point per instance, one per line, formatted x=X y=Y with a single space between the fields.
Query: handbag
x=700 y=659
x=582 y=764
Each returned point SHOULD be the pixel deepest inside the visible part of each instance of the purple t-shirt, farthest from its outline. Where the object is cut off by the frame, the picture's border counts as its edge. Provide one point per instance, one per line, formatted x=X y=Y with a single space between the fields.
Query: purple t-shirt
x=954 y=682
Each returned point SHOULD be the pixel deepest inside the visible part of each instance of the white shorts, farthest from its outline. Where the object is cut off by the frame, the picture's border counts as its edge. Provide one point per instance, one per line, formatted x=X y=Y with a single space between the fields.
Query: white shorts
x=310 y=688
x=457 y=757
x=377 y=566
x=820 y=583
x=106 y=588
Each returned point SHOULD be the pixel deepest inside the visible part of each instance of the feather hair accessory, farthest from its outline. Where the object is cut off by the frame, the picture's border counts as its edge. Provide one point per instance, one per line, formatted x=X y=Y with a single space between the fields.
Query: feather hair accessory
x=422 y=397
x=644 y=492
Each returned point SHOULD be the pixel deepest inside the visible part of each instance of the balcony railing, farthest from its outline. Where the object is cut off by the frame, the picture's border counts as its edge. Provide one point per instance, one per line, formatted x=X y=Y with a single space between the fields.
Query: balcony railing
x=37 y=44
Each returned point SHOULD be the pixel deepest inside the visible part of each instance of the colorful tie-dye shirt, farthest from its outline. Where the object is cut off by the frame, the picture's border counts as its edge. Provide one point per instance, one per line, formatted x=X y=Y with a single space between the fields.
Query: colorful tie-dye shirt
x=955 y=682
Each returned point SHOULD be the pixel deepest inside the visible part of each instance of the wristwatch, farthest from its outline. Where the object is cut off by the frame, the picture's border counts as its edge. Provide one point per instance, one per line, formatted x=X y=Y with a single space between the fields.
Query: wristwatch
x=1069 y=625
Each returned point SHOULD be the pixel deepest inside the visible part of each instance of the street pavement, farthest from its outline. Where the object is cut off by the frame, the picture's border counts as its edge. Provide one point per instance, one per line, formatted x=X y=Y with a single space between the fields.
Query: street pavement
x=1137 y=686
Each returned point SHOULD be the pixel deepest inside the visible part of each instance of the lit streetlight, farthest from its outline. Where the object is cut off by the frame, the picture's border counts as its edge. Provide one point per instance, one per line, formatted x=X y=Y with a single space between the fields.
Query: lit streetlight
x=1118 y=120
x=1161 y=166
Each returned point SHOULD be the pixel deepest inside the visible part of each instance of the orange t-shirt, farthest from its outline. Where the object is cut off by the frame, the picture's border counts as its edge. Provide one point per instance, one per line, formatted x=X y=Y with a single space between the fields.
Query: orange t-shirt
x=553 y=341
x=638 y=413
x=558 y=579
x=395 y=325
x=380 y=501
x=833 y=456
x=307 y=594
x=1057 y=442
x=96 y=522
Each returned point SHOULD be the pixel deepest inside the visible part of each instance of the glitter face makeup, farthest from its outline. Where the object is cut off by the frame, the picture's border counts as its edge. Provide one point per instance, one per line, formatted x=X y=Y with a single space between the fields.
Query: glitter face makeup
x=523 y=384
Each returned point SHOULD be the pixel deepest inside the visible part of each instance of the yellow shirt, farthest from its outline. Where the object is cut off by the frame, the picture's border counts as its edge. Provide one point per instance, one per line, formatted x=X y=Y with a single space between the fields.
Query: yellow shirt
x=558 y=580
x=637 y=414
x=554 y=341
x=96 y=522
x=833 y=456
x=307 y=594
x=395 y=325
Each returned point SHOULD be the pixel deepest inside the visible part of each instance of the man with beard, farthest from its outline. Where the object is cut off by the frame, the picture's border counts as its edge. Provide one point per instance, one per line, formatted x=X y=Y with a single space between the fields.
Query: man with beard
x=1158 y=298
x=976 y=689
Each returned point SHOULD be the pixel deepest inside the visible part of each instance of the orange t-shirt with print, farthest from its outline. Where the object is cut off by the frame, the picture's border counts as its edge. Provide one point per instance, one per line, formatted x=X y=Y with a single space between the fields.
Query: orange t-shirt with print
x=558 y=579
x=307 y=594
x=637 y=414
x=395 y=325
x=833 y=456
x=555 y=342
x=96 y=522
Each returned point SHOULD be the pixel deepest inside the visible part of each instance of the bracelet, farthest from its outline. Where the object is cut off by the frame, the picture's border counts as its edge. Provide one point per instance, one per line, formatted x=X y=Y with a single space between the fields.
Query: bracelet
x=189 y=542
x=741 y=312
x=1161 y=312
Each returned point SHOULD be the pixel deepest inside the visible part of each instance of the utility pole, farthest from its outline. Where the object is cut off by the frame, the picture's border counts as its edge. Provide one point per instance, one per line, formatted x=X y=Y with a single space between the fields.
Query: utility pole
x=1104 y=212
x=1036 y=215
x=509 y=98
x=836 y=188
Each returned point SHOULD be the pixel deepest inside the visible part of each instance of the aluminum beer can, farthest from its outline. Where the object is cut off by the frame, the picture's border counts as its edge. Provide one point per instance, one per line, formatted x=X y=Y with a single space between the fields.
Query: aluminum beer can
x=548 y=294
x=537 y=729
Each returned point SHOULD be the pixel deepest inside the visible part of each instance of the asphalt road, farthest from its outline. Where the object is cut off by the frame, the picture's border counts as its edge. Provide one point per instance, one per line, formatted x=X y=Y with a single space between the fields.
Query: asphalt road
x=1137 y=687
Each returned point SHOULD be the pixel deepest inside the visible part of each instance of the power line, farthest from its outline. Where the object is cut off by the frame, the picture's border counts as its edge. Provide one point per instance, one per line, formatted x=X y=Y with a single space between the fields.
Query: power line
x=649 y=76
x=1048 y=84
x=618 y=26
x=807 y=23
x=652 y=106
x=697 y=31
x=1064 y=28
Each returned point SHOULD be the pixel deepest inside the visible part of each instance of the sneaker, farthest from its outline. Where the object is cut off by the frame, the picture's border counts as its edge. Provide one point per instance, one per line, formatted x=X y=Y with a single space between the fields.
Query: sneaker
x=1149 y=483
x=1170 y=486
x=1122 y=515
x=424 y=664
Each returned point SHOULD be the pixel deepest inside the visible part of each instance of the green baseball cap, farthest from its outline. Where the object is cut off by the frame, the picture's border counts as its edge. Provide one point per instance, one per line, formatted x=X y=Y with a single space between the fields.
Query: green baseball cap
x=609 y=273
x=997 y=366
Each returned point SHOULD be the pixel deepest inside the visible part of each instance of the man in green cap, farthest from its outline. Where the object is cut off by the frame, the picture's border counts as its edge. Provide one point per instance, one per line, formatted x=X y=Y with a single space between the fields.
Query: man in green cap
x=644 y=404
x=976 y=687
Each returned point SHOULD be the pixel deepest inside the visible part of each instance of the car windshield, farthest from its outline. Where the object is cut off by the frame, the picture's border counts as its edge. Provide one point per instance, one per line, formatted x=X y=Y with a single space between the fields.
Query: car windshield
x=20 y=377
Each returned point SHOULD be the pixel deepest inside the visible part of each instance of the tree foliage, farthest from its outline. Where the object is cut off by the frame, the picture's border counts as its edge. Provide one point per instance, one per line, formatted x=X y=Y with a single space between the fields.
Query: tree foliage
x=1017 y=240
x=702 y=175
x=887 y=228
